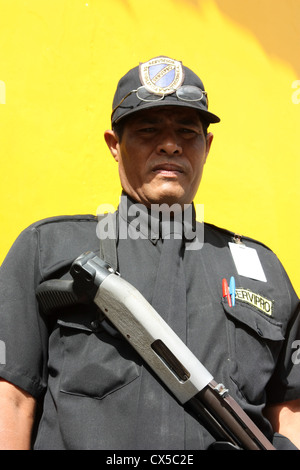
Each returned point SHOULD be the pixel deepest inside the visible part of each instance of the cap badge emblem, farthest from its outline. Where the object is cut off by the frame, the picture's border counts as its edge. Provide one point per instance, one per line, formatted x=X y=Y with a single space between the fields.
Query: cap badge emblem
x=161 y=75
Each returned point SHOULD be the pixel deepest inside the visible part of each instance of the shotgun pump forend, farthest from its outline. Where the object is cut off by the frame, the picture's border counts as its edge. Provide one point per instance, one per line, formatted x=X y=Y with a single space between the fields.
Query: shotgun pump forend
x=170 y=359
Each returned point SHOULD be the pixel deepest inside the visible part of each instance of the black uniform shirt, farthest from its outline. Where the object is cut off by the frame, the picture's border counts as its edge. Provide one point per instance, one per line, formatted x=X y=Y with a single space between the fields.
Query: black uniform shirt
x=96 y=392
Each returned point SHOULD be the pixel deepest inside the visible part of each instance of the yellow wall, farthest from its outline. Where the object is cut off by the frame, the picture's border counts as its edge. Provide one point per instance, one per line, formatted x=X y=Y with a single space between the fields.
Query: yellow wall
x=59 y=64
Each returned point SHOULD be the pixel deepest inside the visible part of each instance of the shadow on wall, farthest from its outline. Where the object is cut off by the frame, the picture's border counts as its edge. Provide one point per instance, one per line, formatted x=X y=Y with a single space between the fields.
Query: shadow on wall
x=275 y=24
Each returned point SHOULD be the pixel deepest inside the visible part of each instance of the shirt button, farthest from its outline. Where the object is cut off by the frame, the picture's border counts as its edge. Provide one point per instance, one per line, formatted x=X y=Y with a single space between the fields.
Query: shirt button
x=95 y=325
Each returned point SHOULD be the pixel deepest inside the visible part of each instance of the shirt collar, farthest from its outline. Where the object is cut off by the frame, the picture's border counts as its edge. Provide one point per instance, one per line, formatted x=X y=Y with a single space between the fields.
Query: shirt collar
x=153 y=223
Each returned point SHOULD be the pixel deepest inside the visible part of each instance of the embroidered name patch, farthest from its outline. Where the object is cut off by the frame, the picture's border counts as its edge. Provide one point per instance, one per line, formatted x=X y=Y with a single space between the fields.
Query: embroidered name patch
x=256 y=300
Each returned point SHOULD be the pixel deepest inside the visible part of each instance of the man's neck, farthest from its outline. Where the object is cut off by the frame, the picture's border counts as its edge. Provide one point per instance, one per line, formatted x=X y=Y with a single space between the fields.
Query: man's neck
x=159 y=220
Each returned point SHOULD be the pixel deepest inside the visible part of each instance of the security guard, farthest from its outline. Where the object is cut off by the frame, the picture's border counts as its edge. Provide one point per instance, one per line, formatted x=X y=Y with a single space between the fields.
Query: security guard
x=69 y=381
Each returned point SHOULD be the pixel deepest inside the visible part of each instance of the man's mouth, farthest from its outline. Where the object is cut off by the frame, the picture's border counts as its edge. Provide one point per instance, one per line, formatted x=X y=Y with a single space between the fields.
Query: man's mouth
x=168 y=169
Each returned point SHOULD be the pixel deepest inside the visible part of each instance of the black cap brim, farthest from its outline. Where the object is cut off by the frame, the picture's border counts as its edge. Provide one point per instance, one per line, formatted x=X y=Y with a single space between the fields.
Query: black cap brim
x=124 y=112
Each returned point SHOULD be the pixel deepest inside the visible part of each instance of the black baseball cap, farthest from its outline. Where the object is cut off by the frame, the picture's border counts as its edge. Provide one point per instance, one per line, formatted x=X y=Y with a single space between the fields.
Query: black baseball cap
x=164 y=82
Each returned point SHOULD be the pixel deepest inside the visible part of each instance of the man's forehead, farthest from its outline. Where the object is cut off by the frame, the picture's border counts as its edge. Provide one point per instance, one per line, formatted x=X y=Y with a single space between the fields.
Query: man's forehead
x=175 y=113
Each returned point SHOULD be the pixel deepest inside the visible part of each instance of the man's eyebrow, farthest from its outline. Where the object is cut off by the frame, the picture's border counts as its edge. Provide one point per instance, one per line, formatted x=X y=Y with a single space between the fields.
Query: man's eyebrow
x=188 y=122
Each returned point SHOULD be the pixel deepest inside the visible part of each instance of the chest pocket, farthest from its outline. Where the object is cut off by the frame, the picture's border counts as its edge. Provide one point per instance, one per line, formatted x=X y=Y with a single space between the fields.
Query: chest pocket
x=255 y=341
x=95 y=363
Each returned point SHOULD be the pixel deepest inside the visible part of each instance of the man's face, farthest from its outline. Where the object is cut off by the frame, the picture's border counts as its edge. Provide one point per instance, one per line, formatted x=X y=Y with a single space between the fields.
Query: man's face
x=161 y=155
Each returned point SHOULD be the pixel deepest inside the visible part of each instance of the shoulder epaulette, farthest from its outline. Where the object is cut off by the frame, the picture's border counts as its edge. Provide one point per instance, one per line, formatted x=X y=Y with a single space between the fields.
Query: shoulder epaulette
x=236 y=237
x=64 y=218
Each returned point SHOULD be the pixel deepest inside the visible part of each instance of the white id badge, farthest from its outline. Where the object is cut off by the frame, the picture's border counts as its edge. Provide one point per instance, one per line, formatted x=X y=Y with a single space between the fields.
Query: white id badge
x=247 y=262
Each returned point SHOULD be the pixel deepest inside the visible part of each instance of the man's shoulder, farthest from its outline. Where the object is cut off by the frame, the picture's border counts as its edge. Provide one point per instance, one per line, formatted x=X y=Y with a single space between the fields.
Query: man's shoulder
x=64 y=232
x=60 y=239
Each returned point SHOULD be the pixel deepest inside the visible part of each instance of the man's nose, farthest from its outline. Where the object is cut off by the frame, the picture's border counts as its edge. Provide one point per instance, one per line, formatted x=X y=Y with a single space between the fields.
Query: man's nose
x=169 y=144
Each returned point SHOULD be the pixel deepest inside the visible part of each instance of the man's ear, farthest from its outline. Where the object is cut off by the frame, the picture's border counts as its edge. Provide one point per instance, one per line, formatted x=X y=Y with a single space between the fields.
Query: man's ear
x=112 y=142
x=209 y=139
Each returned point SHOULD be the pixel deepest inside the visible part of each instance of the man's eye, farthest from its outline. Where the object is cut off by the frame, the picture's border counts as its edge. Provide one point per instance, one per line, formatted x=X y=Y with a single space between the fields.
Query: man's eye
x=188 y=131
x=147 y=130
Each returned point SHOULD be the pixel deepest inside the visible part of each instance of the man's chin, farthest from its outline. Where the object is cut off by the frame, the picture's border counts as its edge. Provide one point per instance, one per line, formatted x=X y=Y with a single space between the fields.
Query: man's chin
x=169 y=198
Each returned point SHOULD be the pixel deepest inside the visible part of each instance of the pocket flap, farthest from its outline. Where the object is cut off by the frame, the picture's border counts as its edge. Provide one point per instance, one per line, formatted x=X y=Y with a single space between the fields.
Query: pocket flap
x=264 y=326
x=80 y=320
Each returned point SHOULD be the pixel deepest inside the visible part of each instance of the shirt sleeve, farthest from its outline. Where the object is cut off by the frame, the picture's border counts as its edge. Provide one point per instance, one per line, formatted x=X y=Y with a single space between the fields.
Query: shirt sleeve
x=23 y=332
x=285 y=382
